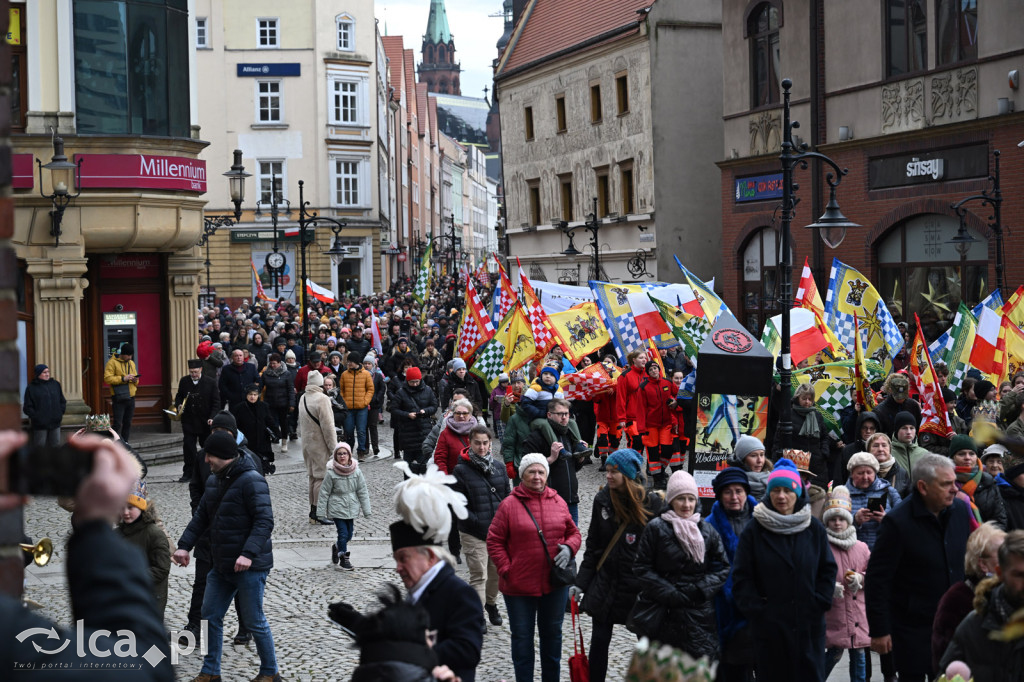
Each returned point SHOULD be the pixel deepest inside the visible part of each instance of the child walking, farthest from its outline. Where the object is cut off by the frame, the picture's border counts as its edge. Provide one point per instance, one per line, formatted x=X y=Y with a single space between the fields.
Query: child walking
x=846 y=623
x=138 y=526
x=342 y=495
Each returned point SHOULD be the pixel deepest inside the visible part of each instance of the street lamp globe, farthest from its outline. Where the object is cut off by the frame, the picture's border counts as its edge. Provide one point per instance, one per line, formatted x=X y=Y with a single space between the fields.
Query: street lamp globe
x=236 y=183
x=832 y=224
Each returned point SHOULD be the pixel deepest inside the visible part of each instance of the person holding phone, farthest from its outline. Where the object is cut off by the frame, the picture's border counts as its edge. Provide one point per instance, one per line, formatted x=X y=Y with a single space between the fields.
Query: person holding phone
x=871 y=497
x=122 y=375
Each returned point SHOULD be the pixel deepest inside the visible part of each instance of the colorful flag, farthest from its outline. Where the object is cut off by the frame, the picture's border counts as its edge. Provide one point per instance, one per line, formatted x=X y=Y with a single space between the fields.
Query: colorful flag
x=587 y=382
x=1013 y=308
x=862 y=385
x=482 y=275
x=543 y=337
x=807 y=293
x=579 y=330
x=646 y=315
x=291 y=231
x=1014 y=343
x=689 y=330
x=504 y=297
x=421 y=292
x=850 y=292
x=375 y=335
x=475 y=328
x=709 y=300
x=653 y=354
x=260 y=293
x=954 y=347
x=520 y=347
x=490 y=362
x=318 y=292
x=988 y=353
x=934 y=417
x=993 y=301
x=805 y=338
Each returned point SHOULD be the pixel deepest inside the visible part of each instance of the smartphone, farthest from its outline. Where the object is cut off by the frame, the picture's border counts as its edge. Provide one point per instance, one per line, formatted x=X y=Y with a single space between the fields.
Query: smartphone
x=48 y=470
x=876 y=504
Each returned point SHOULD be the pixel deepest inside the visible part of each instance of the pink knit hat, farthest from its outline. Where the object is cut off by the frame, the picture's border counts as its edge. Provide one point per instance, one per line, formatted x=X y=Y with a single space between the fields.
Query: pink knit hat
x=680 y=483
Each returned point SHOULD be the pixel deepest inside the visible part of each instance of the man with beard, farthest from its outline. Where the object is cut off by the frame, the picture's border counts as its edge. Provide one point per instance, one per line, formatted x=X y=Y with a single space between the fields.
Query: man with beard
x=197 y=402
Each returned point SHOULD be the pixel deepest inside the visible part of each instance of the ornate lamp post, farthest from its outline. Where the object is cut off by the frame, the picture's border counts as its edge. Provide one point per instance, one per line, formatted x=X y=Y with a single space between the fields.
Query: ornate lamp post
x=64 y=176
x=593 y=226
x=275 y=261
x=991 y=197
x=236 y=189
x=310 y=221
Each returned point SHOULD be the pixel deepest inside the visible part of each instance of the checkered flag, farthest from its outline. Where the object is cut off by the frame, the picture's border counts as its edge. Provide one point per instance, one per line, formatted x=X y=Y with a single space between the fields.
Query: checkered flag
x=845 y=328
x=583 y=385
x=890 y=332
x=490 y=362
x=422 y=289
x=835 y=398
x=476 y=327
x=630 y=334
x=696 y=330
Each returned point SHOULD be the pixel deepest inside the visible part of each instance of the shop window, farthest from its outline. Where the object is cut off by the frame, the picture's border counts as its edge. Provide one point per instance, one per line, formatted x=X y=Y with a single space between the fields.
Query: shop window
x=762 y=30
x=920 y=272
x=760 y=265
x=957 y=30
x=906 y=29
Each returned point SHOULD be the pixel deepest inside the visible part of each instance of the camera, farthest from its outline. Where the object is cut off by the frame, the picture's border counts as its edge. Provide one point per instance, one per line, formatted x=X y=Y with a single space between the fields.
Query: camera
x=48 y=470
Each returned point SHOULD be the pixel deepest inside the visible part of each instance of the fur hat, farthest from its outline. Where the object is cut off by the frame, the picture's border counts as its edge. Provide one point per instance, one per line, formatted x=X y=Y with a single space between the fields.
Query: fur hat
x=839 y=504
x=962 y=442
x=530 y=459
x=785 y=475
x=731 y=475
x=425 y=505
x=744 y=446
x=138 y=497
x=627 y=461
x=680 y=483
x=862 y=459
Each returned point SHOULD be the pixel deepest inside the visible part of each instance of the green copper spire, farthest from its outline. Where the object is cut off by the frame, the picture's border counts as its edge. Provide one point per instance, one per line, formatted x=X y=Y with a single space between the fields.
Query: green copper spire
x=437 y=24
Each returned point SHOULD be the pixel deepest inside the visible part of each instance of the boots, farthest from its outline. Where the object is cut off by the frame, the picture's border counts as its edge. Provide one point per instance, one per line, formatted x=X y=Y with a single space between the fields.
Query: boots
x=660 y=481
x=334 y=554
x=284 y=445
x=345 y=564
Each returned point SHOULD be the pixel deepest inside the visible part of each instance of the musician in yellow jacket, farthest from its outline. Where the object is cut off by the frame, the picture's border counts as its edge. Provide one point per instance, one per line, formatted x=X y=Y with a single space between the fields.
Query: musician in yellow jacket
x=122 y=376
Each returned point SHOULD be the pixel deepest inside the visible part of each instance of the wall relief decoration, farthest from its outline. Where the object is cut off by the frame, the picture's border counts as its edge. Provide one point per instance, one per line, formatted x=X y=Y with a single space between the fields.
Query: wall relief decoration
x=765 y=133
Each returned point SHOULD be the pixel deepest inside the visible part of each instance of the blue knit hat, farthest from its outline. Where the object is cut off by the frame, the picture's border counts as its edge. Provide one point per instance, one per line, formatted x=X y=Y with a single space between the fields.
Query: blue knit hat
x=785 y=475
x=551 y=370
x=730 y=475
x=626 y=460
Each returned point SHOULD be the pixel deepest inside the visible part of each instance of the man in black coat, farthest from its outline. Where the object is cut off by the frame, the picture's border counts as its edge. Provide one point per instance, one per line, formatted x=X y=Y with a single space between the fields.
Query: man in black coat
x=201 y=399
x=563 y=464
x=918 y=555
x=358 y=343
x=44 y=406
x=236 y=511
x=1012 y=490
x=235 y=377
x=485 y=484
x=897 y=399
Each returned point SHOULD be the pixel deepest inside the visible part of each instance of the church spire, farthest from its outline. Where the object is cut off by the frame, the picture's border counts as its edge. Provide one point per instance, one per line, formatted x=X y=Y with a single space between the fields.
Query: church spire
x=439 y=70
x=437 y=24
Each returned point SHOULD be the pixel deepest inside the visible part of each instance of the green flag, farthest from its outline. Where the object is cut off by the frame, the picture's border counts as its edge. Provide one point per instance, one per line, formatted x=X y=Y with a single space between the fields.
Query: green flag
x=422 y=289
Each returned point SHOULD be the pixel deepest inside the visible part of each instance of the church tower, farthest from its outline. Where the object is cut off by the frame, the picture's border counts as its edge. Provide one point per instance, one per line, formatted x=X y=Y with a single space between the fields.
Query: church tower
x=439 y=70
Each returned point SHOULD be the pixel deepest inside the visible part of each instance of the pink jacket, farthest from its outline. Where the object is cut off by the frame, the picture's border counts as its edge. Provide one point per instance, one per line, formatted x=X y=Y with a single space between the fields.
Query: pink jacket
x=514 y=546
x=846 y=623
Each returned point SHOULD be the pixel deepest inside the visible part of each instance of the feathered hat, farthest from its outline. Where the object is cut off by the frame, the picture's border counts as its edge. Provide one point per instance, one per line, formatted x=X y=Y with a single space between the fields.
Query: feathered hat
x=424 y=505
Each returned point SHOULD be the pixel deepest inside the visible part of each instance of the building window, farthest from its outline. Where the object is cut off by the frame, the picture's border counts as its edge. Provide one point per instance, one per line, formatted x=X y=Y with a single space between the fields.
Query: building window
x=919 y=272
x=560 y=124
x=266 y=31
x=628 y=191
x=131 y=67
x=201 y=40
x=957 y=30
x=763 y=31
x=760 y=279
x=19 y=74
x=271 y=175
x=595 y=103
x=346 y=182
x=603 y=193
x=565 y=185
x=268 y=102
x=344 y=102
x=906 y=28
x=528 y=122
x=533 y=191
x=622 y=93
x=346 y=33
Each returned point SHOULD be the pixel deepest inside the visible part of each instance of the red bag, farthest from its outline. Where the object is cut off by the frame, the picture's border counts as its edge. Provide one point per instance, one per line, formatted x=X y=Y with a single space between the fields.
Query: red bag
x=579 y=666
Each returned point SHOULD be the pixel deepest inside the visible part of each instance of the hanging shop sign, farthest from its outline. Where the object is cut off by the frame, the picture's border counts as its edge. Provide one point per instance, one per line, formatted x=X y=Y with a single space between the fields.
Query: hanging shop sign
x=22 y=175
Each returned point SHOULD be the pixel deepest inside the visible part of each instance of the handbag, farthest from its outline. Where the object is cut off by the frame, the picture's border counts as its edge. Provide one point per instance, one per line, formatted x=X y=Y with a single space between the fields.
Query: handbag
x=579 y=666
x=122 y=392
x=645 y=617
x=560 y=577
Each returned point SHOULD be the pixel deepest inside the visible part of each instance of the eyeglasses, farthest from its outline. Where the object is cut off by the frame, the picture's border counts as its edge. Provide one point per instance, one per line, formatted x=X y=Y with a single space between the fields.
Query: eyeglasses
x=461 y=414
x=559 y=414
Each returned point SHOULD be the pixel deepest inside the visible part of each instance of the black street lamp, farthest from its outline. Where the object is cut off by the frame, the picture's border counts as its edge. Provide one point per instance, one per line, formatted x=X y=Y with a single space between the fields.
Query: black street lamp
x=236 y=189
x=991 y=197
x=419 y=248
x=454 y=243
x=311 y=220
x=832 y=227
x=274 y=263
x=593 y=226
x=64 y=176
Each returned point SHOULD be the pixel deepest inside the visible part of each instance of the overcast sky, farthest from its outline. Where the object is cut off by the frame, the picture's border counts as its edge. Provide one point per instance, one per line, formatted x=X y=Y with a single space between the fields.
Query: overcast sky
x=474 y=32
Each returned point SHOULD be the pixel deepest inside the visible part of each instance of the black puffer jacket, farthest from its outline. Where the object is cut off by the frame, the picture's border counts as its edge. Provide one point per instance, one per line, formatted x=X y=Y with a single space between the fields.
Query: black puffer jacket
x=562 y=474
x=484 y=491
x=989 y=501
x=44 y=404
x=236 y=511
x=254 y=420
x=1013 y=502
x=989 y=659
x=410 y=433
x=451 y=382
x=899 y=479
x=669 y=575
x=280 y=387
x=609 y=594
x=379 y=391
x=887 y=410
x=233 y=381
x=839 y=472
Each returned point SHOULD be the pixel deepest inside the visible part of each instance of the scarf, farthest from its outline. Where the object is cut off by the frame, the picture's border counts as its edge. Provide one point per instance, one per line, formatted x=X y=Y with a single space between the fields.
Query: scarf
x=968 y=478
x=781 y=524
x=559 y=429
x=844 y=540
x=344 y=470
x=687 y=532
x=483 y=463
x=461 y=428
x=884 y=467
x=810 y=426
x=270 y=371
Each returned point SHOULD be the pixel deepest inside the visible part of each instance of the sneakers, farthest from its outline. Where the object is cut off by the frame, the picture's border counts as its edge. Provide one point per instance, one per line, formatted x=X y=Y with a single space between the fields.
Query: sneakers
x=191 y=627
x=492 y=614
x=284 y=445
x=346 y=565
x=334 y=554
x=242 y=638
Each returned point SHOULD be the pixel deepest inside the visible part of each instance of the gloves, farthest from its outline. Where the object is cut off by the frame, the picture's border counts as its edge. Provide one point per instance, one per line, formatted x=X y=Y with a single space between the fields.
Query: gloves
x=576 y=593
x=855 y=581
x=350 y=620
x=563 y=557
x=510 y=468
x=838 y=592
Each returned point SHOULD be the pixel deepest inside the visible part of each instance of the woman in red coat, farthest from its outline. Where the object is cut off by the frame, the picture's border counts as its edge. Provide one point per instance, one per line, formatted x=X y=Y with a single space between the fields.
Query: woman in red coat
x=454 y=436
x=658 y=402
x=524 y=566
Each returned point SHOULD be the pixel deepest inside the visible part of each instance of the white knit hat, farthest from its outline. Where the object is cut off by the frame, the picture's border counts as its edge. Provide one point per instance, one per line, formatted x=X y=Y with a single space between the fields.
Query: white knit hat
x=533 y=458
x=862 y=459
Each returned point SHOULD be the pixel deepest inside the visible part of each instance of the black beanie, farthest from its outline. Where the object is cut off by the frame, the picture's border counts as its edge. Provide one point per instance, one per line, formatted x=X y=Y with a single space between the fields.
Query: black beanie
x=903 y=419
x=982 y=389
x=220 y=445
x=225 y=420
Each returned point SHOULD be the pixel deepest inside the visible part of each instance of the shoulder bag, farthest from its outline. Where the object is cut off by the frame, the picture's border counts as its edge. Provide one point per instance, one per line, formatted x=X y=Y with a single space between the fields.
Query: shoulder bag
x=560 y=577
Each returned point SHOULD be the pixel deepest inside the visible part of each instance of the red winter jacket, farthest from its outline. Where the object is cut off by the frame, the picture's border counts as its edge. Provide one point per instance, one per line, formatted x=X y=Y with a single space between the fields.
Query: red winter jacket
x=514 y=546
x=449 y=446
x=655 y=394
x=302 y=376
x=604 y=408
x=627 y=406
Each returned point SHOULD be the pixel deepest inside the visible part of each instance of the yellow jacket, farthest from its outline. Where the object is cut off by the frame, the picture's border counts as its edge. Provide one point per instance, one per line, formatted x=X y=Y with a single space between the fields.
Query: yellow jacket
x=116 y=370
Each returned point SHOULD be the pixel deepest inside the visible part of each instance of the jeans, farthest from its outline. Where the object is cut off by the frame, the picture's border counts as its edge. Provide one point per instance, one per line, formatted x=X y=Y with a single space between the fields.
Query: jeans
x=372 y=419
x=857 y=667
x=124 y=410
x=42 y=437
x=574 y=512
x=220 y=589
x=547 y=612
x=345 y=530
x=195 y=609
x=355 y=422
x=483 y=576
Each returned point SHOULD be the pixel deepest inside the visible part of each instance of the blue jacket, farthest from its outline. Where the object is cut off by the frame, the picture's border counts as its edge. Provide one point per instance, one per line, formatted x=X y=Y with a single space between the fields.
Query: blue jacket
x=236 y=510
x=730 y=621
x=234 y=379
x=534 y=404
x=868 y=532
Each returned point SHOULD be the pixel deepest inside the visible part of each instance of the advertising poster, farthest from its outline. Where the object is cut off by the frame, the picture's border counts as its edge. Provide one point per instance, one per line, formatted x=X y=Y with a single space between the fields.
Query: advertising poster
x=721 y=420
x=289 y=273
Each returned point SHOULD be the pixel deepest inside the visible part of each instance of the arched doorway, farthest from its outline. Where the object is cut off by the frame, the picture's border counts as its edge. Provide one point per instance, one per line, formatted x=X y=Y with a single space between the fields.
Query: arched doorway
x=920 y=272
x=760 y=266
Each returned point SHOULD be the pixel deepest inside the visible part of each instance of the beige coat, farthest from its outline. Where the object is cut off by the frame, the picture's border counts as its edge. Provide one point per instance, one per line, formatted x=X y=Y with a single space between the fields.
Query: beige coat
x=318 y=440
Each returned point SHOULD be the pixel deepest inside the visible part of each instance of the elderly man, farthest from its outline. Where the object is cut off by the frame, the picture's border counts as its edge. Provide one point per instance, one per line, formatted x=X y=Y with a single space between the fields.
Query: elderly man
x=918 y=555
x=897 y=399
x=235 y=377
x=559 y=452
x=197 y=402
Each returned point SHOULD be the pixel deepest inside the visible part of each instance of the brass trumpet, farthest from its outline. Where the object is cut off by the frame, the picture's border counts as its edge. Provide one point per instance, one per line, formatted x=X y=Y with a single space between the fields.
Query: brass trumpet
x=41 y=551
x=175 y=412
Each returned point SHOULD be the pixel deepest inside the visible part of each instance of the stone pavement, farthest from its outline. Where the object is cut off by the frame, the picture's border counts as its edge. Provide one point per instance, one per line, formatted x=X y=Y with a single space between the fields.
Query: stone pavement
x=303 y=581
